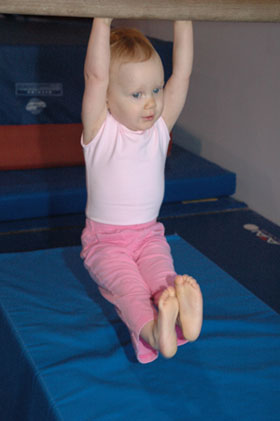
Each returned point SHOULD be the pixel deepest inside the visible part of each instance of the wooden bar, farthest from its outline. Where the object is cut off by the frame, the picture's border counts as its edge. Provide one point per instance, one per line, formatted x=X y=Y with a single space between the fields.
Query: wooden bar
x=204 y=10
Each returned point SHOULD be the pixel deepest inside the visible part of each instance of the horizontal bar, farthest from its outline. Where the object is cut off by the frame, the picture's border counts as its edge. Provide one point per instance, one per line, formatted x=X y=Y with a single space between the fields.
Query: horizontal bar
x=204 y=10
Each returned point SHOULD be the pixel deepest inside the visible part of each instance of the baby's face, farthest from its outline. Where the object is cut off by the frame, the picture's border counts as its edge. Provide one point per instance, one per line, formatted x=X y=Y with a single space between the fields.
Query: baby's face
x=135 y=94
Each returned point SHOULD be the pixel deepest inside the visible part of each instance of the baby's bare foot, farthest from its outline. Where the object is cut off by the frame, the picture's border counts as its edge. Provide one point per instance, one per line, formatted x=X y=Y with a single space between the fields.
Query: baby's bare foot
x=168 y=308
x=190 y=306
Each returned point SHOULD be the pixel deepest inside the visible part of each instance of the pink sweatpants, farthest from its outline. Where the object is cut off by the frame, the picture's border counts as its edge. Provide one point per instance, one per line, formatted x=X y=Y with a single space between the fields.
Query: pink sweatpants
x=131 y=265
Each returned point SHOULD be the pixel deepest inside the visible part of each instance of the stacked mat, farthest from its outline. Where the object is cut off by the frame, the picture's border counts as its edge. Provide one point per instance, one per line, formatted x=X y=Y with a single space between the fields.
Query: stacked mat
x=40 y=118
x=58 y=191
x=40 y=126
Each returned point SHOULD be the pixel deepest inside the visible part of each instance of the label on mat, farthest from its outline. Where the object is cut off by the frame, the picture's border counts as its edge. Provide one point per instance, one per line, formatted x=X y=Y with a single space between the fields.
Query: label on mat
x=262 y=234
x=39 y=89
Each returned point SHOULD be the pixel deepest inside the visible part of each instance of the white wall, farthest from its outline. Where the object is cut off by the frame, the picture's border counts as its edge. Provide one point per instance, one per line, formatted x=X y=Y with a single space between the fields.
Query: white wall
x=232 y=115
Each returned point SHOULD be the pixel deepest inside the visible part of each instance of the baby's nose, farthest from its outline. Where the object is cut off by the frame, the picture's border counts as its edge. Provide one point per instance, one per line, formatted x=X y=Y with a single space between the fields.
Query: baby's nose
x=150 y=103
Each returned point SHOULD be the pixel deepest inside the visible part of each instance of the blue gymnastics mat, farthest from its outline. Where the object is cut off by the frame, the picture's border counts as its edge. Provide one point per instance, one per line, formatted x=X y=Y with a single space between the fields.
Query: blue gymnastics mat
x=66 y=356
x=58 y=191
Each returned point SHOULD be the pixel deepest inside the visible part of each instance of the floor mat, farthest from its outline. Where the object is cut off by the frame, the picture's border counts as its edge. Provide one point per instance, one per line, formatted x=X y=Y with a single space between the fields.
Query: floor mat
x=66 y=356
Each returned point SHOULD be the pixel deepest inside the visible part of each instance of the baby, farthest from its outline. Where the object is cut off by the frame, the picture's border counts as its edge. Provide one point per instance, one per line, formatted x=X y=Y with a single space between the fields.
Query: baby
x=127 y=116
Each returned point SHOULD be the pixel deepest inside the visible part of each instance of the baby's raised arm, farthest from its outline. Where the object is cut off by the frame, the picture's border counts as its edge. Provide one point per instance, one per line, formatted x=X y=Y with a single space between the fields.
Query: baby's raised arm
x=96 y=73
x=176 y=89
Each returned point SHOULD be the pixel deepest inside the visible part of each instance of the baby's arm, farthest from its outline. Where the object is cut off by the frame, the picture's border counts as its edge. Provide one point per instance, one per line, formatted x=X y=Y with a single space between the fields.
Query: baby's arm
x=176 y=89
x=96 y=73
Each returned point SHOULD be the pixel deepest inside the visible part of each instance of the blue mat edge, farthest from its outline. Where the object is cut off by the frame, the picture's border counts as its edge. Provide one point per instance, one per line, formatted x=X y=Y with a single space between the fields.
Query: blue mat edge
x=58 y=191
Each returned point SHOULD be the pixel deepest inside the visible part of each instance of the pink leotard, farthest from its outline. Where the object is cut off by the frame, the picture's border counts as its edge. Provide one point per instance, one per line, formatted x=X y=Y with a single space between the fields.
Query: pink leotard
x=125 y=173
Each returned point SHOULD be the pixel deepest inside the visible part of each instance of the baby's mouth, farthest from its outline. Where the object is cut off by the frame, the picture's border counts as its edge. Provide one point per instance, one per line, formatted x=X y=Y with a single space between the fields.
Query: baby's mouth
x=149 y=117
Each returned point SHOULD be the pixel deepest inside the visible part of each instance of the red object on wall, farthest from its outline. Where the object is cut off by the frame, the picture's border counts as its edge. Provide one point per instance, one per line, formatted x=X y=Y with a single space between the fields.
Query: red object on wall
x=40 y=146
x=43 y=146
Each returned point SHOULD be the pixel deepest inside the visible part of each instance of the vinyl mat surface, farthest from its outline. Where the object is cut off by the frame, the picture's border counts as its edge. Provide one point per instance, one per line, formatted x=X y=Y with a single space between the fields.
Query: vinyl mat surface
x=66 y=356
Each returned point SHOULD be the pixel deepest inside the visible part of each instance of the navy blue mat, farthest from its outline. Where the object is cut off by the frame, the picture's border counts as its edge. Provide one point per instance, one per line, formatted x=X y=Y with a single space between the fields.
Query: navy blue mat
x=65 y=230
x=56 y=191
x=251 y=256
x=66 y=356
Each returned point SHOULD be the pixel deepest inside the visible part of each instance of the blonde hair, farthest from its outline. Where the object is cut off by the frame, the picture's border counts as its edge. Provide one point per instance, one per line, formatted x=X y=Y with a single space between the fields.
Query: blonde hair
x=130 y=45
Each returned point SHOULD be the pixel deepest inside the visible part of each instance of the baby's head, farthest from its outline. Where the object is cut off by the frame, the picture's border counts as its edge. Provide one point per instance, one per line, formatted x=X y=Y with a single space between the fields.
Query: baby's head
x=129 y=45
x=135 y=93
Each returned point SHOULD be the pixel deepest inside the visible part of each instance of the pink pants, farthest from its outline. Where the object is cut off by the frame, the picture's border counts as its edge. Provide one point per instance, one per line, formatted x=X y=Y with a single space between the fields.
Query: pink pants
x=131 y=265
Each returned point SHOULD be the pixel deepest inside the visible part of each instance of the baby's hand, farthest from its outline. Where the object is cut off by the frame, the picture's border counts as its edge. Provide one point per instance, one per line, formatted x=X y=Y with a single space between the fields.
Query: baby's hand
x=108 y=21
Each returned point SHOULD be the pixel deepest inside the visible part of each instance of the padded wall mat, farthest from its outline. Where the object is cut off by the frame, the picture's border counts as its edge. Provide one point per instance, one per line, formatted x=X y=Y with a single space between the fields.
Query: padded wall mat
x=66 y=356
x=48 y=85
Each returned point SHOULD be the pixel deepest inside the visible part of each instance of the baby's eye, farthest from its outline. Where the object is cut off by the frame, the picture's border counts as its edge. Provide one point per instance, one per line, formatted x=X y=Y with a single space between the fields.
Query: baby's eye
x=156 y=90
x=136 y=95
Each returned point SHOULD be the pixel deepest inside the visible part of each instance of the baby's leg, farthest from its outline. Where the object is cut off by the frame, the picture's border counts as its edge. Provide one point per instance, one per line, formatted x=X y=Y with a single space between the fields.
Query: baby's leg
x=156 y=266
x=120 y=282
x=160 y=333
x=156 y=263
x=190 y=306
